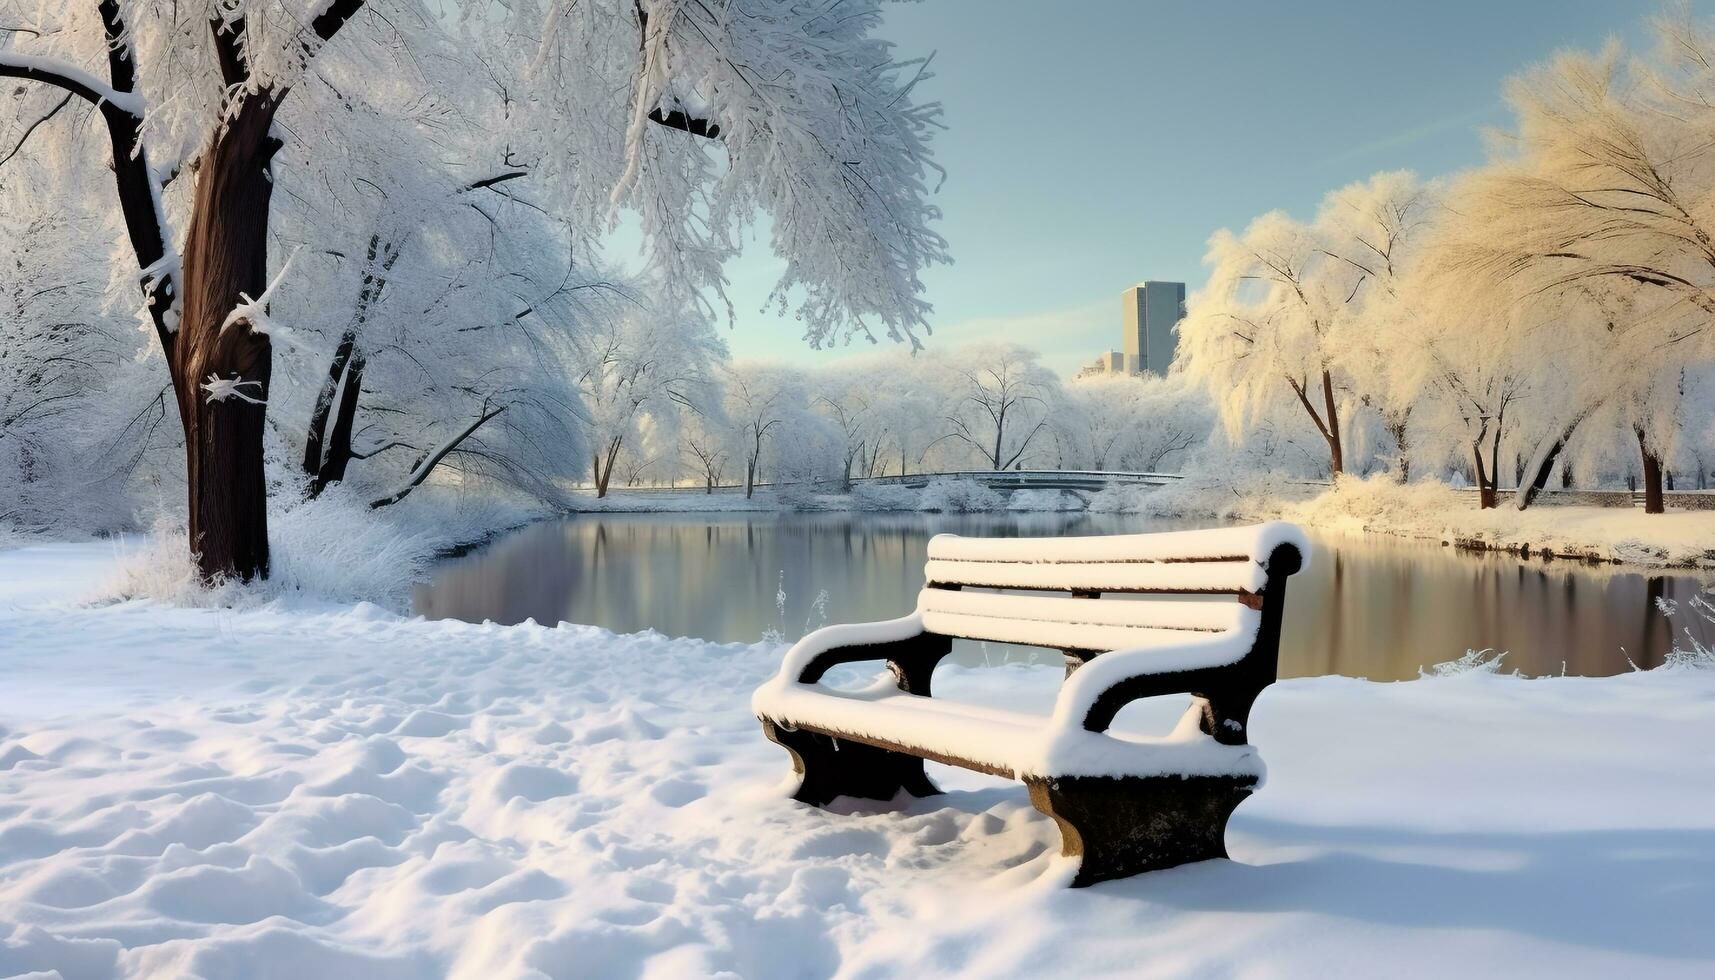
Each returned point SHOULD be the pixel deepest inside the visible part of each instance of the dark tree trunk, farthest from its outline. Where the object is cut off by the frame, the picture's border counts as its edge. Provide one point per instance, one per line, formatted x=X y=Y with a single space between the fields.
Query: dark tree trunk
x=1397 y=429
x=1485 y=474
x=1536 y=475
x=327 y=448
x=1653 y=501
x=225 y=254
x=339 y=452
x=1486 y=497
x=1336 y=455
x=327 y=452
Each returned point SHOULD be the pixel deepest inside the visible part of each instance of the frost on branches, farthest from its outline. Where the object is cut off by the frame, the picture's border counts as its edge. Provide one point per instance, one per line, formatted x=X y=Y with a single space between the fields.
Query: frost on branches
x=446 y=181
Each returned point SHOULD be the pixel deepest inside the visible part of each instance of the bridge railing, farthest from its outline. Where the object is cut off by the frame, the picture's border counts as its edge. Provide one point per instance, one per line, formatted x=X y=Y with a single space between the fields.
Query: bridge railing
x=1021 y=479
x=994 y=479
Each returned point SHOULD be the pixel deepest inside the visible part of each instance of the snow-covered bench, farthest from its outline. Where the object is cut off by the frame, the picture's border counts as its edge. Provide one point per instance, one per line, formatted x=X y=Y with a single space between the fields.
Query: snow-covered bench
x=1125 y=804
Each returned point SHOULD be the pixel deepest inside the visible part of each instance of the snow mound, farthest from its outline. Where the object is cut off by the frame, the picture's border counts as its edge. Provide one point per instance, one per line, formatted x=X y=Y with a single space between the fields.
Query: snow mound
x=950 y=496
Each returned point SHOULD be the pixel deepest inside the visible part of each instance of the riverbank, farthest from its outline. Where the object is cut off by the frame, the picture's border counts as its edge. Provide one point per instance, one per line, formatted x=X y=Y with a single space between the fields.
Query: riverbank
x=1436 y=512
x=1424 y=511
x=327 y=789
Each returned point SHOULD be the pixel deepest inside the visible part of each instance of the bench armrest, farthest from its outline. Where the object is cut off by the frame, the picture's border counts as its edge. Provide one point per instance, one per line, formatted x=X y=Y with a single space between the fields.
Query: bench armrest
x=815 y=654
x=1095 y=692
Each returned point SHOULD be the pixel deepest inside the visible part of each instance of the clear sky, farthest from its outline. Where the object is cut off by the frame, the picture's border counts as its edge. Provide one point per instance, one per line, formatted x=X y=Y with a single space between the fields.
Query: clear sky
x=1091 y=144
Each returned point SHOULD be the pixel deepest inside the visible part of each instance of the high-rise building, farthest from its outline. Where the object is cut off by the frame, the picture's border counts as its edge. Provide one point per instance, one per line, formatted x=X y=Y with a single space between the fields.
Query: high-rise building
x=1150 y=310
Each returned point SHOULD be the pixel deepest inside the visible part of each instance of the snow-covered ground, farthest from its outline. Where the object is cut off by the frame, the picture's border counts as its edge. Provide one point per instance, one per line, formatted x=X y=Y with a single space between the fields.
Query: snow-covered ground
x=334 y=791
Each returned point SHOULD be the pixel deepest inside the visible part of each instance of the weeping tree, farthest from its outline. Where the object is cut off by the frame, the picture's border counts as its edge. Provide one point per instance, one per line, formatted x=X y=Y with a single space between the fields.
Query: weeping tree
x=693 y=116
x=1607 y=191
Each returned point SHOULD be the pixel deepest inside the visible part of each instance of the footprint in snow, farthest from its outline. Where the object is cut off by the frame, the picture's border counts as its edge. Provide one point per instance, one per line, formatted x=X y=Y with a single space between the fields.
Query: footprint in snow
x=677 y=791
x=840 y=843
x=534 y=783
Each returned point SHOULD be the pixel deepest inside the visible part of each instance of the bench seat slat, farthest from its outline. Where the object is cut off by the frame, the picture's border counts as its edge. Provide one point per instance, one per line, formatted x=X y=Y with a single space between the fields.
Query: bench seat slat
x=1158 y=614
x=1164 y=577
x=992 y=740
x=1082 y=636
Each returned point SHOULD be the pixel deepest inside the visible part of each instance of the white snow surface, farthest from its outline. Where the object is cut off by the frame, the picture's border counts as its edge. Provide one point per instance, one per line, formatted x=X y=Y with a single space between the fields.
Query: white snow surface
x=336 y=791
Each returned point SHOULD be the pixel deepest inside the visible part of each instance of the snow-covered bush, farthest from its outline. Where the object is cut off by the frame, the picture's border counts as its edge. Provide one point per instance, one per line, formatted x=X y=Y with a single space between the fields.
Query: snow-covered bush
x=1378 y=500
x=959 y=497
x=1484 y=661
x=1043 y=501
x=1694 y=646
x=883 y=497
x=1234 y=495
x=333 y=548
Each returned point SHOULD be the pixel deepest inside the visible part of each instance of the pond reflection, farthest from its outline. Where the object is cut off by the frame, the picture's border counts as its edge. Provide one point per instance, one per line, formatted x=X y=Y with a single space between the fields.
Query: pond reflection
x=1369 y=606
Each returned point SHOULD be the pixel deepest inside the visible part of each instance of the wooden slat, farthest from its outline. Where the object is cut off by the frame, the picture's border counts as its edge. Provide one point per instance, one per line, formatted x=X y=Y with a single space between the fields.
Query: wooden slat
x=1177 y=615
x=1207 y=577
x=1226 y=544
x=1057 y=635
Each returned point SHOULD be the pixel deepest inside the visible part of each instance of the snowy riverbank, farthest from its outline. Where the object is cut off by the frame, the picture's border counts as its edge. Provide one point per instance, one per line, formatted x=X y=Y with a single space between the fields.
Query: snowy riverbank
x=1430 y=511
x=336 y=791
x=1436 y=512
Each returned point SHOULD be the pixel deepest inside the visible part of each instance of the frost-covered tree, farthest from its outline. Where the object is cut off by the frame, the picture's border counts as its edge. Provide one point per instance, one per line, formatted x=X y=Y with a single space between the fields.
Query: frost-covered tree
x=761 y=399
x=1001 y=398
x=640 y=370
x=1263 y=326
x=1373 y=231
x=848 y=398
x=707 y=441
x=1135 y=424
x=694 y=117
x=1298 y=314
x=63 y=359
x=1609 y=186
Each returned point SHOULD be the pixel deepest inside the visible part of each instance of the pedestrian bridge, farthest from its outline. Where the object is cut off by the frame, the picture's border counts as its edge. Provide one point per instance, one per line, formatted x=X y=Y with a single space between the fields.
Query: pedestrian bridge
x=1030 y=479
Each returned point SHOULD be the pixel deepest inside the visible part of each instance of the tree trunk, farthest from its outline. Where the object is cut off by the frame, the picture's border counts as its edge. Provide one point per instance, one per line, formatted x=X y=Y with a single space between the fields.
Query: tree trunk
x=1485 y=475
x=1653 y=502
x=601 y=476
x=225 y=254
x=1396 y=428
x=327 y=450
x=1536 y=474
x=1336 y=456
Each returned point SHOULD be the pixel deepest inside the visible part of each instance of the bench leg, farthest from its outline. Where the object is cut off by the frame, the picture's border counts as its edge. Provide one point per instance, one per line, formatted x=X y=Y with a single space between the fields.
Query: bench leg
x=1125 y=826
x=828 y=767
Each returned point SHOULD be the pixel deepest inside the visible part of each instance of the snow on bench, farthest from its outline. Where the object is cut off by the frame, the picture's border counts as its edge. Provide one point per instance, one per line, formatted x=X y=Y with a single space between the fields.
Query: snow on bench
x=1124 y=803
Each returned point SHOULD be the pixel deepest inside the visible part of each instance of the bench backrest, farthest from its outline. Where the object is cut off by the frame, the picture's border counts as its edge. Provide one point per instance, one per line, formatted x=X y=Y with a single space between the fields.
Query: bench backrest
x=1225 y=562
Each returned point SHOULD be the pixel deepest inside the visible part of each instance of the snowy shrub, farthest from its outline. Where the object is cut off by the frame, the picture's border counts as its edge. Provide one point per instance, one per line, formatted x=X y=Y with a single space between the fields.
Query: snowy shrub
x=883 y=497
x=1252 y=496
x=1379 y=500
x=1484 y=661
x=800 y=497
x=1695 y=645
x=333 y=548
x=1120 y=499
x=1043 y=501
x=959 y=497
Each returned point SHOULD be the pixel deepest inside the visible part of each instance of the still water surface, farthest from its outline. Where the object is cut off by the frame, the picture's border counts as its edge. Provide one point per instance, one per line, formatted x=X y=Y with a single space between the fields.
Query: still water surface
x=1372 y=606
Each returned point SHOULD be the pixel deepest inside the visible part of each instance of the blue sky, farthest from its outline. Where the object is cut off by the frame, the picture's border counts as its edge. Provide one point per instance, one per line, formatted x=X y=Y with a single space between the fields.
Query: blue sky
x=1092 y=144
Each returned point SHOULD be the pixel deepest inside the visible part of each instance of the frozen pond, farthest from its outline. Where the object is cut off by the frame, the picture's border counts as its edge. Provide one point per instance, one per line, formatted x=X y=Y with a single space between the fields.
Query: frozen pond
x=1375 y=607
